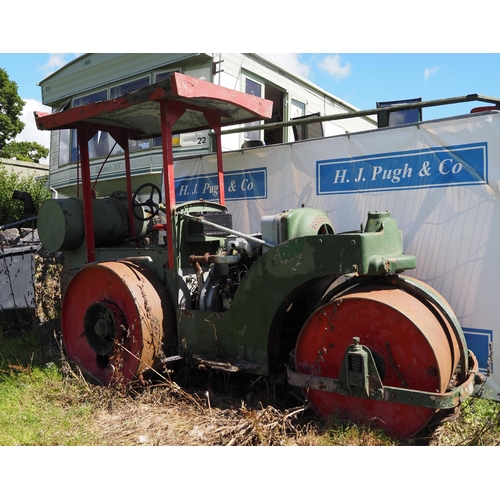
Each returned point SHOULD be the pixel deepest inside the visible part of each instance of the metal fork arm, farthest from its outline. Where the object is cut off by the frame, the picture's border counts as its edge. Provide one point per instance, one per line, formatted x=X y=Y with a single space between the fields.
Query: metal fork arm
x=445 y=400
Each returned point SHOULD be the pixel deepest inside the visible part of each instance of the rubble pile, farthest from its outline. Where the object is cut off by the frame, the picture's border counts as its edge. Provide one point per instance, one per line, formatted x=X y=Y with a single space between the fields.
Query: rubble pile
x=13 y=237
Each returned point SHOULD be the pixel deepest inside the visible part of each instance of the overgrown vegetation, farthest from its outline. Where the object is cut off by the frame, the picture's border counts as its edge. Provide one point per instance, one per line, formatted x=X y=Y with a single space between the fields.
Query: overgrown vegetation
x=12 y=210
x=45 y=401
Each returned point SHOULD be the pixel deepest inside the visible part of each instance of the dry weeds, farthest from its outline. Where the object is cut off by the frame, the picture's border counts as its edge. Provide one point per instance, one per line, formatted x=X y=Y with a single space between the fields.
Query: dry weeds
x=163 y=418
x=164 y=414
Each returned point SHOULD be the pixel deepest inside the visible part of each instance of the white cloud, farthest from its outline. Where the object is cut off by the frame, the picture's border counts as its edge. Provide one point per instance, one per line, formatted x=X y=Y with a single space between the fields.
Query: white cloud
x=56 y=61
x=30 y=133
x=332 y=65
x=430 y=71
x=290 y=62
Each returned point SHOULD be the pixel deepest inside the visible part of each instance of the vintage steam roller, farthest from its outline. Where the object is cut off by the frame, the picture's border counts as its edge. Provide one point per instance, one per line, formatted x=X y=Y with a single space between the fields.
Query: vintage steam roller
x=331 y=312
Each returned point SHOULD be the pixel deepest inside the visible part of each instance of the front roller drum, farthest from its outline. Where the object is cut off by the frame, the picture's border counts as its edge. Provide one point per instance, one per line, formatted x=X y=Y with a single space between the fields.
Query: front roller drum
x=410 y=344
x=117 y=320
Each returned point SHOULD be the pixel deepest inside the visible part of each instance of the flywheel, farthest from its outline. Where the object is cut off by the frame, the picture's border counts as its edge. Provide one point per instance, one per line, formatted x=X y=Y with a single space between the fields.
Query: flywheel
x=117 y=320
x=411 y=342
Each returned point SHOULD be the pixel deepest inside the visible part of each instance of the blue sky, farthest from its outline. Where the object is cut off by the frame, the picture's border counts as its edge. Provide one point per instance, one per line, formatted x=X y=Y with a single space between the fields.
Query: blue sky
x=361 y=79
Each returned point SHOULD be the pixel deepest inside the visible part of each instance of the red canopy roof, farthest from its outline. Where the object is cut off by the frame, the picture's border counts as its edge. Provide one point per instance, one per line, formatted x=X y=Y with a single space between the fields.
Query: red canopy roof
x=139 y=111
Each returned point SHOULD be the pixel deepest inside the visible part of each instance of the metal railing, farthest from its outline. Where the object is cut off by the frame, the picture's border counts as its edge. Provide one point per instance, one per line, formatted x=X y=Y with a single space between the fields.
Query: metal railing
x=368 y=112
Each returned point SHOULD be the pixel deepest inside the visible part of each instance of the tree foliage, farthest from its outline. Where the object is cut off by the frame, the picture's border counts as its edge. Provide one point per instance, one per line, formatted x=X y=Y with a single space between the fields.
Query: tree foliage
x=25 y=151
x=11 y=107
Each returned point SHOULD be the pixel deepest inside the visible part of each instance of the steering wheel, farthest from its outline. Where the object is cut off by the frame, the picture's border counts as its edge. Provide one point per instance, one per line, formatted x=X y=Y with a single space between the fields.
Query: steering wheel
x=150 y=207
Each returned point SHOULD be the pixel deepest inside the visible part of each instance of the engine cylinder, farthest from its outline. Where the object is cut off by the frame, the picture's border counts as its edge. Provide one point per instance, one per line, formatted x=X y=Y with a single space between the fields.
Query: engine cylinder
x=61 y=224
x=295 y=223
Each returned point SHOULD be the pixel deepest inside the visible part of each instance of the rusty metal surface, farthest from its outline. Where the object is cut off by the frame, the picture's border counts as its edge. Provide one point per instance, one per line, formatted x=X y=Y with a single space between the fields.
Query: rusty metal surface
x=116 y=320
x=407 y=341
x=225 y=365
x=445 y=400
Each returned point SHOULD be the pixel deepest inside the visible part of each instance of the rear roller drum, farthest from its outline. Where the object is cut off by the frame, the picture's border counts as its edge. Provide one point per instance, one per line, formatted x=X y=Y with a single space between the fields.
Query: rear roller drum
x=411 y=343
x=116 y=320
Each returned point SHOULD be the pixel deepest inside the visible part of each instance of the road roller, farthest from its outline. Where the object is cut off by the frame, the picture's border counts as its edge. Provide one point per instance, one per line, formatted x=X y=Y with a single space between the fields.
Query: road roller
x=149 y=283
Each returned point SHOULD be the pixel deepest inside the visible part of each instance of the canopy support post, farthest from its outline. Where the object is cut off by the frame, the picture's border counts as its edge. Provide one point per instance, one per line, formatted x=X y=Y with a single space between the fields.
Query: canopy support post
x=170 y=113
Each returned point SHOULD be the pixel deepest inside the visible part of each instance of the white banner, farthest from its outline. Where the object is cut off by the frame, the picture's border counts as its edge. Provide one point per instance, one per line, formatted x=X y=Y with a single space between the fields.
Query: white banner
x=440 y=181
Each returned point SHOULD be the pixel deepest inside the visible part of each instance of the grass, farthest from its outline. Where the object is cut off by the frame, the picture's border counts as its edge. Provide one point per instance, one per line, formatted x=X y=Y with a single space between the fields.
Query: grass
x=32 y=412
x=477 y=425
x=35 y=402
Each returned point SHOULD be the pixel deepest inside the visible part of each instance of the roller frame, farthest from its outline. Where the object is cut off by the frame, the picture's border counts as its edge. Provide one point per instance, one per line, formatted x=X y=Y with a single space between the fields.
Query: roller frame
x=377 y=391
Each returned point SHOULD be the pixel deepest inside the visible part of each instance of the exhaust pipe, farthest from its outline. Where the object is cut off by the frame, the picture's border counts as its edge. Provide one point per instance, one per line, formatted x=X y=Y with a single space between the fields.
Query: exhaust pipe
x=29 y=207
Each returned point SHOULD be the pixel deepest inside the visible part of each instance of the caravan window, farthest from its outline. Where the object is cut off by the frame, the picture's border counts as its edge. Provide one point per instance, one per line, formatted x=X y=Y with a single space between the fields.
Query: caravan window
x=254 y=88
x=101 y=144
x=124 y=88
x=101 y=95
x=64 y=138
x=304 y=131
x=298 y=110
x=64 y=141
x=160 y=77
x=118 y=91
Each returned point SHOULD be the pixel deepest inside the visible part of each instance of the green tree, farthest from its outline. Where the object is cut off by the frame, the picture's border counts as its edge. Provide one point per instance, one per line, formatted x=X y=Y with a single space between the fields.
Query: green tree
x=25 y=151
x=11 y=108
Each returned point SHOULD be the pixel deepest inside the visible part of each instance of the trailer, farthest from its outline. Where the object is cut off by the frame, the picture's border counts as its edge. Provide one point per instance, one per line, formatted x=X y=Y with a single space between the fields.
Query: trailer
x=268 y=288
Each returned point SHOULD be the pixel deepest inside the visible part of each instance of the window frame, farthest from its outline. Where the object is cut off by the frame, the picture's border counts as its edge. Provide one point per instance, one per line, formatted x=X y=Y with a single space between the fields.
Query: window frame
x=253 y=135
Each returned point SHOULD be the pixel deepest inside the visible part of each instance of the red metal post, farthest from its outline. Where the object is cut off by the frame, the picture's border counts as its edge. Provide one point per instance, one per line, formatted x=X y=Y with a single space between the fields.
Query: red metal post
x=220 y=167
x=88 y=217
x=215 y=122
x=170 y=112
x=121 y=139
x=128 y=177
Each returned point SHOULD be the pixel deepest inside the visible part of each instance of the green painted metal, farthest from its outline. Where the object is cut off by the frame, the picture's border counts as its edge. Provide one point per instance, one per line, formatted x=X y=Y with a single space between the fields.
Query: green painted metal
x=308 y=263
x=59 y=223
x=61 y=226
x=304 y=222
x=246 y=332
x=240 y=303
x=361 y=379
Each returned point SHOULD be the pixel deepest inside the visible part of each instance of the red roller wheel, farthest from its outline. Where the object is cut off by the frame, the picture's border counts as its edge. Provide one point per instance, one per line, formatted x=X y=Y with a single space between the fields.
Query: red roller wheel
x=410 y=345
x=116 y=319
